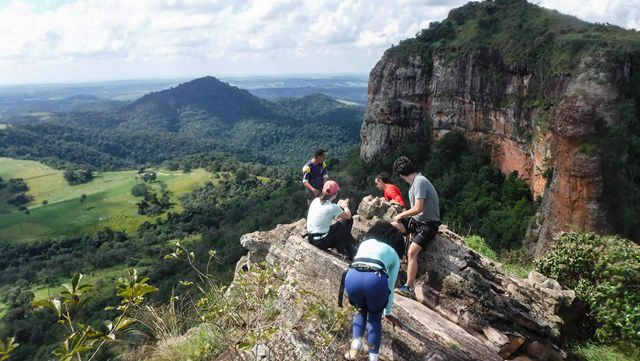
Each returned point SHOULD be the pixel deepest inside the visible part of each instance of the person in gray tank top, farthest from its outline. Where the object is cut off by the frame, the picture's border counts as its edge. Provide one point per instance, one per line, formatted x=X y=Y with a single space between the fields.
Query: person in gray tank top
x=422 y=219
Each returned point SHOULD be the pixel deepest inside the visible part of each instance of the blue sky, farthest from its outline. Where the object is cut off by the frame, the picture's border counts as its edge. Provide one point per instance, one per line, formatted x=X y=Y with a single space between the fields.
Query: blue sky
x=84 y=40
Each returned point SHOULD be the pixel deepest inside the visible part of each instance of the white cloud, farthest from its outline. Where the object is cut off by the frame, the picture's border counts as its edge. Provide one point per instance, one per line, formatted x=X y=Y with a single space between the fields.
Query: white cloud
x=99 y=39
x=625 y=13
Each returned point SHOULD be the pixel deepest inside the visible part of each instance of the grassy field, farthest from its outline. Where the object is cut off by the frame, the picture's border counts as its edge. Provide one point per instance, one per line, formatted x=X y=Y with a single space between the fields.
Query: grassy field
x=109 y=202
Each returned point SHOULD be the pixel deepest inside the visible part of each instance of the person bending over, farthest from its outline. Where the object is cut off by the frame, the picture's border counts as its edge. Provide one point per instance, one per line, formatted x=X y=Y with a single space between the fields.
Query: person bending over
x=422 y=219
x=391 y=192
x=369 y=283
x=322 y=211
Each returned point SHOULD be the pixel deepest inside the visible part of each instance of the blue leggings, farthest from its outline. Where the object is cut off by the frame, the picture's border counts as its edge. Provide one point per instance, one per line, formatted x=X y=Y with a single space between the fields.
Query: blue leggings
x=369 y=292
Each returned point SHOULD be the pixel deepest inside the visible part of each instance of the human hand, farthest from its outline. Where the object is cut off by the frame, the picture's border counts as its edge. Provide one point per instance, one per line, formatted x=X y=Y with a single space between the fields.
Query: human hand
x=316 y=192
x=398 y=218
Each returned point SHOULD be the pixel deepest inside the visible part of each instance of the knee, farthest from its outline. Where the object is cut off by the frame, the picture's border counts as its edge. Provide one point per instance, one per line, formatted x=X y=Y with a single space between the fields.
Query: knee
x=413 y=253
x=398 y=226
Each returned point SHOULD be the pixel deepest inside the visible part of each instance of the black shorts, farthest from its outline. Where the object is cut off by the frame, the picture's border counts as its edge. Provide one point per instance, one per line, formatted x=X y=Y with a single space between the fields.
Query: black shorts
x=423 y=232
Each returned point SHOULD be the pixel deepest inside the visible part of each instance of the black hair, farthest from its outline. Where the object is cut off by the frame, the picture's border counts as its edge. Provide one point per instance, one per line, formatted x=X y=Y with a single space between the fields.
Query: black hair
x=324 y=197
x=319 y=153
x=403 y=166
x=384 y=177
x=385 y=232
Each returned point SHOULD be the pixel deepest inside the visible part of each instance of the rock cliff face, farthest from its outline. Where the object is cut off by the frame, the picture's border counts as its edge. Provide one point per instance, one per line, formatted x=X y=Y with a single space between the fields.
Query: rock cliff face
x=467 y=307
x=478 y=94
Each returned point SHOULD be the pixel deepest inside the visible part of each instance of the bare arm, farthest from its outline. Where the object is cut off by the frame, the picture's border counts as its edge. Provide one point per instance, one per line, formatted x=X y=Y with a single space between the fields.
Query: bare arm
x=311 y=189
x=346 y=215
x=417 y=208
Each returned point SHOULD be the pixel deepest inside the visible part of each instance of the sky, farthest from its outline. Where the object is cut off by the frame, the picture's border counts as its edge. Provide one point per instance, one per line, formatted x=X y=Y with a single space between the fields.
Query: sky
x=54 y=41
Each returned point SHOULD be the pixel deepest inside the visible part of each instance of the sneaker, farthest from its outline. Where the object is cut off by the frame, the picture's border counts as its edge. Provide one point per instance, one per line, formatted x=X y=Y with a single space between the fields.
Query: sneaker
x=405 y=291
x=353 y=353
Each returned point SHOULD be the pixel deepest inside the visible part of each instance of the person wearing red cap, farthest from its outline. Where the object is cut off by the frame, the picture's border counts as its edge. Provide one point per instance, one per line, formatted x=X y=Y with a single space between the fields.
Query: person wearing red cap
x=322 y=211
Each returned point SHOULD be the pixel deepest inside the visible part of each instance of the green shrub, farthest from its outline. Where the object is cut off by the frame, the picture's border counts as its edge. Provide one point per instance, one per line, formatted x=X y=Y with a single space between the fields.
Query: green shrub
x=478 y=244
x=605 y=272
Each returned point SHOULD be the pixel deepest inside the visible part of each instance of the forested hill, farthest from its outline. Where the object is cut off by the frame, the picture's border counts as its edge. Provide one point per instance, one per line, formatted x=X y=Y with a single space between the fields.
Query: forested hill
x=201 y=103
x=198 y=116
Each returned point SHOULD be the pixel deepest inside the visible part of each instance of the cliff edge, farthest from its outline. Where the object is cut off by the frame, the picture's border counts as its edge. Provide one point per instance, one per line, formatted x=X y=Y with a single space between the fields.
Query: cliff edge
x=539 y=86
x=468 y=308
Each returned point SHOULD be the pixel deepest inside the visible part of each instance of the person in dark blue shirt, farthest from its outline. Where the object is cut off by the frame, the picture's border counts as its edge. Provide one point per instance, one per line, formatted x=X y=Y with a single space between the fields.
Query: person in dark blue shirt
x=314 y=173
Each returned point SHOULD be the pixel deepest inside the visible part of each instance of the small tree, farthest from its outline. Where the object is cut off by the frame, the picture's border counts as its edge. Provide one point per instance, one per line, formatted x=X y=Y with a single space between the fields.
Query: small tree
x=149 y=176
x=173 y=165
x=139 y=190
x=45 y=202
x=83 y=198
x=83 y=341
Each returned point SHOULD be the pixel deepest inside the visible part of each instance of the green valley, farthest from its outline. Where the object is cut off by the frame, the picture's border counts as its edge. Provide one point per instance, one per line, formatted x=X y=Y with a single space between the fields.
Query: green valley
x=108 y=203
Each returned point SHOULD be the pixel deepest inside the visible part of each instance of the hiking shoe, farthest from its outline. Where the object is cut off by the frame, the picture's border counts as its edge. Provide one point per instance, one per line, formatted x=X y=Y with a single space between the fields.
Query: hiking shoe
x=405 y=291
x=353 y=353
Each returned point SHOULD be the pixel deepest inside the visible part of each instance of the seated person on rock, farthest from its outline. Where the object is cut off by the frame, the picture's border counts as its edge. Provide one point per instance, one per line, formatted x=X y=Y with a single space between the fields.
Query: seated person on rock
x=391 y=192
x=369 y=283
x=322 y=211
x=422 y=219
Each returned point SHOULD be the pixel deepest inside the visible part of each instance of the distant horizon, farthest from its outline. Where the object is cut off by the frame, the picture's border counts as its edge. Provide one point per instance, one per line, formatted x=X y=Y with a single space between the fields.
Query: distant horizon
x=73 y=41
x=188 y=78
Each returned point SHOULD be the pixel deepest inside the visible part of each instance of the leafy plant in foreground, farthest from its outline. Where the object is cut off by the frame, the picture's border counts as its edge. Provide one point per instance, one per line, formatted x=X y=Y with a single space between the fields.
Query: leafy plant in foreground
x=83 y=341
x=7 y=347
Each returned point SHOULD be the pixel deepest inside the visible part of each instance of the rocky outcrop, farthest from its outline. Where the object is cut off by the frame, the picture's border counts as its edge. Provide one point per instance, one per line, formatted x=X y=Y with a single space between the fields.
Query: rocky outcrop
x=468 y=308
x=478 y=94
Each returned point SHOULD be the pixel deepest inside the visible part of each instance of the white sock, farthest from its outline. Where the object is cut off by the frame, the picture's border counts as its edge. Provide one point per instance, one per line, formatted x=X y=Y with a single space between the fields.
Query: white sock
x=373 y=357
x=356 y=344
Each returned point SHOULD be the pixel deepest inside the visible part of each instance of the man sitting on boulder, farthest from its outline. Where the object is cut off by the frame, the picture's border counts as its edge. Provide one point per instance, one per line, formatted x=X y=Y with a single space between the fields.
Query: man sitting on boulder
x=391 y=192
x=422 y=219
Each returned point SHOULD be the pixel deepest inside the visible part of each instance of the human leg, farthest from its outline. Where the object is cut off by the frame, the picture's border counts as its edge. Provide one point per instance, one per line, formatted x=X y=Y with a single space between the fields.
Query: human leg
x=374 y=327
x=403 y=226
x=424 y=234
x=412 y=263
x=369 y=292
x=340 y=238
x=355 y=291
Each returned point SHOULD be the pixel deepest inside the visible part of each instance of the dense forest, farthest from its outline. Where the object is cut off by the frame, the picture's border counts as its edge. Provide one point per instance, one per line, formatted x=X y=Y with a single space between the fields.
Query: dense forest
x=203 y=115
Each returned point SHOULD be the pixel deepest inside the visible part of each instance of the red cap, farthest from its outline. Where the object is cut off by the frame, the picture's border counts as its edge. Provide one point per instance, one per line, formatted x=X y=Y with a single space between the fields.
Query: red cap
x=331 y=188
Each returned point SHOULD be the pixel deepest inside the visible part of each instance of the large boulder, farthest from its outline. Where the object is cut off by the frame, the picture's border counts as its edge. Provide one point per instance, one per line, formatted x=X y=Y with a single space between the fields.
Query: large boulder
x=467 y=307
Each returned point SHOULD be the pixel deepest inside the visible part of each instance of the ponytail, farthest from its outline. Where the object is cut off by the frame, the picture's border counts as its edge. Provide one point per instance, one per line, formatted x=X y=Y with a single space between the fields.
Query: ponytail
x=324 y=197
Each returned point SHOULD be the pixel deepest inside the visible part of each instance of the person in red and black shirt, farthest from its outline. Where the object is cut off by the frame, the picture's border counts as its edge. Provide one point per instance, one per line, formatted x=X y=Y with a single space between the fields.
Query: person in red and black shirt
x=314 y=173
x=391 y=192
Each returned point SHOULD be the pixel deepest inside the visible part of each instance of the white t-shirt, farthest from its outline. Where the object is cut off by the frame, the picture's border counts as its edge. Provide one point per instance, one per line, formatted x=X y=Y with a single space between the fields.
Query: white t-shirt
x=321 y=215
